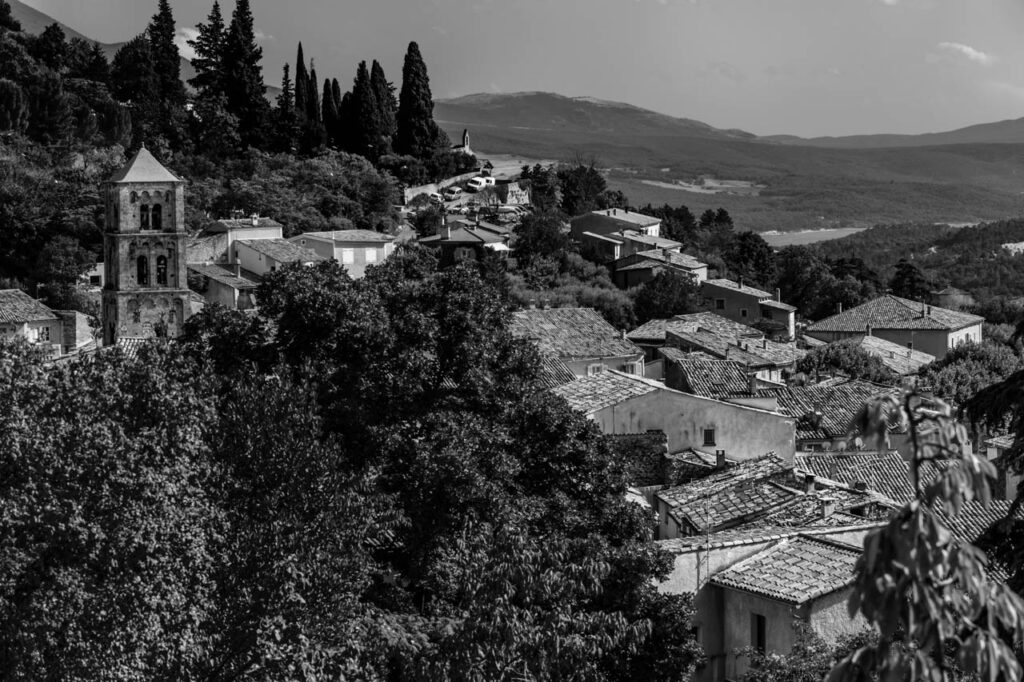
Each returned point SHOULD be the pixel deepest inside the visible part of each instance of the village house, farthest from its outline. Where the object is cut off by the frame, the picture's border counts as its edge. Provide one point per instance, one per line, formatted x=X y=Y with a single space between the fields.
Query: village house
x=1006 y=484
x=910 y=324
x=733 y=382
x=262 y=256
x=900 y=360
x=465 y=243
x=224 y=285
x=621 y=403
x=355 y=249
x=768 y=360
x=22 y=316
x=642 y=266
x=580 y=337
x=651 y=335
x=750 y=306
x=611 y=220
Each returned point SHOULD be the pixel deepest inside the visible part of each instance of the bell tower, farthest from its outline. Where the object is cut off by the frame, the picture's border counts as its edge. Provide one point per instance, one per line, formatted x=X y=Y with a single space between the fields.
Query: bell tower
x=146 y=291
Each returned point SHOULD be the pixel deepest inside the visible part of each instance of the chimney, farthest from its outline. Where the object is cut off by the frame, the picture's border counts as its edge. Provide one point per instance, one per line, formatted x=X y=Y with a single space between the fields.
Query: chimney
x=720 y=459
x=238 y=269
x=867 y=328
x=828 y=507
x=545 y=303
x=809 y=483
x=892 y=354
x=739 y=284
x=910 y=352
x=447 y=231
x=839 y=307
x=929 y=309
x=532 y=305
x=665 y=252
x=623 y=334
x=832 y=468
x=752 y=383
x=764 y=344
x=778 y=295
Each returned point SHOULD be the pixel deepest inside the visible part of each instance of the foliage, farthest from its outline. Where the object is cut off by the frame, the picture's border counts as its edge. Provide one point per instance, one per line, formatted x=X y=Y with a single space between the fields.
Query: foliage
x=60 y=264
x=818 y=287
x=968 y=368
x=810 y=660
x=909 y=282
x=749 y=258
x=539 y=235
x=13 y=107
x=243 y=78
x=926 y=591
x=544 y=186
x=848 y=358
x=7 y=20
x=581 y=186
x=416 y=132
x=667 y=294
x=208 y=46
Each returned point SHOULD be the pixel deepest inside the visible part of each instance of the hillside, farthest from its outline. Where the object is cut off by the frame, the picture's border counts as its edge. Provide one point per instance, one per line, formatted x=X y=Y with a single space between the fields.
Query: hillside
x=999 y=132
x=648 y=155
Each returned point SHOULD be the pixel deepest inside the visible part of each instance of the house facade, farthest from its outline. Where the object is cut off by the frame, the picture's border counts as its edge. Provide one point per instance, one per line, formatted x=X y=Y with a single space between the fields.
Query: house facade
x=354 y=249
x=642 y=266
x=750 y=306
x=622 y=403
x=611 y=220
x=22 y=316
x=910 y=324
x=262 y=256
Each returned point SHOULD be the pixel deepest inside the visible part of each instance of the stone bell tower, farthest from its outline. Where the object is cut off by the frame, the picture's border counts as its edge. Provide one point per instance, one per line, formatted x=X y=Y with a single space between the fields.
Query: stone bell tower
x=146 y=291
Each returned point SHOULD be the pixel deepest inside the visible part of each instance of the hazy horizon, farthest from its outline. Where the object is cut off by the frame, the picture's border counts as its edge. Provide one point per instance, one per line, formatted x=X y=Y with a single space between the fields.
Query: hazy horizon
x=799 y=67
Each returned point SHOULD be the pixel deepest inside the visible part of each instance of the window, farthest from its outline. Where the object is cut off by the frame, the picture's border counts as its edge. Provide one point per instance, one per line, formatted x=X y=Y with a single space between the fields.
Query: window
x=157 y=217
x=719 y=304
x=757 y=632
x=142 y=271
x=743 y=312
x=133 y=197
x=635 y=368
x=594 y=368
x=910 y=345
x=144 y=218
x=709 y=436
x=44 y=334
x=348 y=256
x=766 y=313
x=371 y=255
x=161 y=271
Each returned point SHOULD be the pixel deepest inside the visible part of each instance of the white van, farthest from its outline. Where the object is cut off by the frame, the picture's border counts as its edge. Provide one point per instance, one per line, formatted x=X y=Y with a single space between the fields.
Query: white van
x=488 y=180
x=451 y=193
x=476 y=184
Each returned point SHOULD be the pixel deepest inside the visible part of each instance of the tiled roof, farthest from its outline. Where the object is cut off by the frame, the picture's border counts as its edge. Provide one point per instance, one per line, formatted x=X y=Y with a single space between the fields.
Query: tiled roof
x=673 y=258
x=461 y=235
x=207 y=248
x=712 y=378
x=899 y=359
x=130 y=346
x=837 y=404
x=630 y=217
x=554 y=372
x=749 y=353
x=571 y=333
x=350 y=236
x=16 y=307
x=143 y=167
x=281 y=250
x=747 y=535
x=225 y=224
x=893 y=312
x=223 y=275
x=795 y=570
x=604 y=389
x=778 y=305
x=1004 y=442
x=654 y=330
x=735 y=286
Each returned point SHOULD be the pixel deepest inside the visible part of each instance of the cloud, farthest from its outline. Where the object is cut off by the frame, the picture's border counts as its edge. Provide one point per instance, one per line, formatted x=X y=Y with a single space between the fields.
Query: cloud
x=181 y=38
x=262 y=37
x=968 y=52
x=725 y=70
x=890 y=3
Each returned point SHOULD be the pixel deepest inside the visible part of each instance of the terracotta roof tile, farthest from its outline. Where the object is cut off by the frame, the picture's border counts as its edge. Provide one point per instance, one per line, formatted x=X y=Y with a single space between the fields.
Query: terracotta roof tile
x=735 y=286
x=17 y=307
x=223 y=275
x=349 y=236
x=711 y=378
x=893 y=312
x=281 y=250
x=796 y=570
x=571 y=333
x=601 y=390
x=899 y=359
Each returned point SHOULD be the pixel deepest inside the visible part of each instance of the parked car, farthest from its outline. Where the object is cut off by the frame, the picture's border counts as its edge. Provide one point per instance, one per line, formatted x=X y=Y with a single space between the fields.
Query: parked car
x=435 y=198
x=452 y=193
x=476 y=184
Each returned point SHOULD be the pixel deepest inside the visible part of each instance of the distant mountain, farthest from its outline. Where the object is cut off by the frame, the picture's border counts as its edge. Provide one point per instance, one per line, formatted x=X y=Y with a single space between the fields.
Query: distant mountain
x=546 y=111
x=1000 y=132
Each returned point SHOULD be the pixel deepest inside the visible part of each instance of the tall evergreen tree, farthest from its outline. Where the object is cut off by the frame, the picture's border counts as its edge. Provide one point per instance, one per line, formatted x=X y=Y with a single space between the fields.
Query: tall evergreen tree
x=13 y=107
x=209 y=49
x=301 y=84
x=366 y=126
x=417 y=133
x=7 y=20
x=330 y=112
x=166 y=58
x=386 y=103
x=133 y=79
x=244 y=87
x=313 y=112
x=285 y=119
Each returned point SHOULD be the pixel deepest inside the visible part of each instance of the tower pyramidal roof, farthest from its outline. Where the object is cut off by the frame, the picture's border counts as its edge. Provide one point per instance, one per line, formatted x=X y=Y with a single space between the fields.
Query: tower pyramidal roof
x=143 y=167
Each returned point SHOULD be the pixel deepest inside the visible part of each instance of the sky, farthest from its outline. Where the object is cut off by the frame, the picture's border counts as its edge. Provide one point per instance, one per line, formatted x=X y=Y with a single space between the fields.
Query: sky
x=800 y=67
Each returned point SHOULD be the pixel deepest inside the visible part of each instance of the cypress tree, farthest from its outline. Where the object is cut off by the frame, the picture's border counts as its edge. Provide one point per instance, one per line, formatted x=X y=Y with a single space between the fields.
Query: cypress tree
x=7 y=20
x=209 y=49
x=313 y=112
x=366 y=124
x=346 y=123
x=330 y=112
x=166 y=59
x=417 y=133
x=301 y=84
x=336 y=93
x=286 y=120
x=244 y=88
x=133 y=79
x=386 y=103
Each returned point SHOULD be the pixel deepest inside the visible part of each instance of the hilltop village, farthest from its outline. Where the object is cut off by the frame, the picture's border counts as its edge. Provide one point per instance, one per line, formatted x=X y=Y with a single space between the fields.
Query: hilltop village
x=311 y=391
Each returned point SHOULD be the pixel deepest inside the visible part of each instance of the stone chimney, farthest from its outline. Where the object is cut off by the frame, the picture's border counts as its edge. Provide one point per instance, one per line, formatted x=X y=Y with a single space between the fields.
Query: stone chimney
x=828 y=507
x=623 y=332
x=867 y=329
x=447 y=231
x=739 y=283
x=255 y=217
x=764 y=344
x=778 y=295
x=720 y=459
x=752 y=383
x=532 y=305
x=664 y=252
x=839 y=307
x=809 y=483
